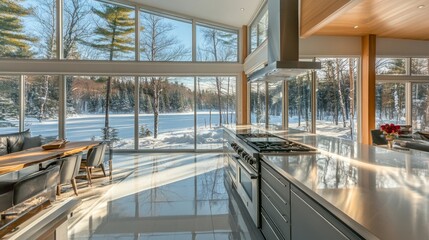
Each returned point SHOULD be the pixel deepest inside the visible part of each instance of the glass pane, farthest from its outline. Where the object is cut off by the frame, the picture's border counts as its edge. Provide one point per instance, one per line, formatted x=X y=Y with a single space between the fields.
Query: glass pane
x=419 y=66
x=390 y=103
x=216 y=98
x=390 y=66
x=9 y=107
x=122 y=112
x=257 y=103
x=28 y=29
x=253 y=37
x=78 y=28
x=299 y=93
x=336 y=97
x=275 y=103
x=263 y=28
x=164 y=39
x=216 y=45
x=420 y=106
x=96 y=30
x=259 y=29
x=86 y=109
x=41 y=105
x=86 y=97
x=166 y=116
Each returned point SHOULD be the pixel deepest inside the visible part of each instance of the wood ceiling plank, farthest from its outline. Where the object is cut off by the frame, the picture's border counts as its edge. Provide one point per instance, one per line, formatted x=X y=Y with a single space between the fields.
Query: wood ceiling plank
x=315 y=14
x=384 y=18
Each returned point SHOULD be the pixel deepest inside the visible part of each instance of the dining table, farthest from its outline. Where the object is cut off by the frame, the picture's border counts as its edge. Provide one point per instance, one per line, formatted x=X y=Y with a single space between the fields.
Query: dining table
x=18 y=160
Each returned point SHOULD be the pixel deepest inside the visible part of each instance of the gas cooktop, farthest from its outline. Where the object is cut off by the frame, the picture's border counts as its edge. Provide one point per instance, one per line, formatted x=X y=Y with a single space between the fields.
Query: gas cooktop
x=265 y=142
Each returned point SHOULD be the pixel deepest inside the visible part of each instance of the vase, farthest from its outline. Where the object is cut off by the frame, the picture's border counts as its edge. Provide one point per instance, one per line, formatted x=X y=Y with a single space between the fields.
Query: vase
x=389 y=139
x=389 y=144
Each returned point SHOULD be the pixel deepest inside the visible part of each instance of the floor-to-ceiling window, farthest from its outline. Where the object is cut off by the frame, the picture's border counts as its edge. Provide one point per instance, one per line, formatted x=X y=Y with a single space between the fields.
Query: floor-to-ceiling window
x=258 y=100
x=42 y=104
x=101 y=103
x=9 y=109
x=402 y=84
x=420 y=107
x=299 y=99
x=216 y=98
x=390 y=103
x=86 y=109
x=275 y=103
x=336 y=97
x=166 y=116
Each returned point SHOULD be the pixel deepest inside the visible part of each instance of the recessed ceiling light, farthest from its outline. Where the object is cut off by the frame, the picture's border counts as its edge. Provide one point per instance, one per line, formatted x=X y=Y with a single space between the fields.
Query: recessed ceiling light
x=356 y=27
x=242 y=9
x=421 y=6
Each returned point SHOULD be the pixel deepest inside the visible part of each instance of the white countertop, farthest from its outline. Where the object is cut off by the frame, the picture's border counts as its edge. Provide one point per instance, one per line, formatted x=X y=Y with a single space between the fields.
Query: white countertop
x=380 y=193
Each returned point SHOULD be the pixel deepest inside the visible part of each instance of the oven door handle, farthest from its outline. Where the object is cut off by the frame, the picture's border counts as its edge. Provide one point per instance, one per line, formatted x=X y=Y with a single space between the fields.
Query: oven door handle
x=248 y=170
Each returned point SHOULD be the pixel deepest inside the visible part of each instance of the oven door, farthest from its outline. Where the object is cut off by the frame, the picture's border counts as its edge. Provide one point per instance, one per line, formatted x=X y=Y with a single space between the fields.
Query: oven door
x=231 y=166
x=247 y=188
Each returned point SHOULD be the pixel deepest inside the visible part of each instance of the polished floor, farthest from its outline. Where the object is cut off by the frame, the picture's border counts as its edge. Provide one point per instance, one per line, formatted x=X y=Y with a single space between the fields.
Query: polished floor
x=167 y=196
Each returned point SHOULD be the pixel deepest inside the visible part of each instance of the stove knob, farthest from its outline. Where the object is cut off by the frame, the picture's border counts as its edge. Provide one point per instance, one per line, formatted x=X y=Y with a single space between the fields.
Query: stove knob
x=251 y=161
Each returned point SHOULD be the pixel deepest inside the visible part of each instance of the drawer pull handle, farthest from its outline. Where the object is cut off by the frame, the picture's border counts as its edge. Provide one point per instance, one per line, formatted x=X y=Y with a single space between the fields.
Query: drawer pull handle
x=285 y=218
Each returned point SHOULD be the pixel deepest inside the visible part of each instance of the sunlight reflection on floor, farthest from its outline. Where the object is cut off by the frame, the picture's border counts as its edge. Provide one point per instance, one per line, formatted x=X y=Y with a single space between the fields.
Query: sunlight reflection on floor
x=167 y=196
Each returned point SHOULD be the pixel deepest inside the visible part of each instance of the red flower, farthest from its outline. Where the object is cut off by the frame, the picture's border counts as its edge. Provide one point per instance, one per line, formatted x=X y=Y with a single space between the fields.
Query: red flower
x=390 y=129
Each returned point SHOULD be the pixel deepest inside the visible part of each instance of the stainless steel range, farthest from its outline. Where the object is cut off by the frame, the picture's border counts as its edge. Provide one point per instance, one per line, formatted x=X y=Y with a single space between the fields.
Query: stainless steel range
x=243 y=163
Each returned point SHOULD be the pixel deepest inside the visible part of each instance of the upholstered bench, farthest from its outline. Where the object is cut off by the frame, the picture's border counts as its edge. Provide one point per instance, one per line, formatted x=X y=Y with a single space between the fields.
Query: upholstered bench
x=14 y=142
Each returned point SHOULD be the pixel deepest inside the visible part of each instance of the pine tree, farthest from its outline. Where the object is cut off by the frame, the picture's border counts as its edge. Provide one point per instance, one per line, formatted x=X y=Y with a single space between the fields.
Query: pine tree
x=13 y=41
x=113 y=37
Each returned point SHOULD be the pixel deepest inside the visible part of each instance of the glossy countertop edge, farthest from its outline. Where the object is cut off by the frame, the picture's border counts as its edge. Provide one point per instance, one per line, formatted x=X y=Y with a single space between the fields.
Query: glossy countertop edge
x=361 y=148
x=361 y=230
x=300 y=136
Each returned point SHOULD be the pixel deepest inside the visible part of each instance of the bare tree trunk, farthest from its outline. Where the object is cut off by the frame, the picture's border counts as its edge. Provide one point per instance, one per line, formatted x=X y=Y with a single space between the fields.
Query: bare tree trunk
x=351 y=96
x=156 y=86
x=219 y=94
x=227 y=100
x=107 y=109
x=340 y=93
x=44 y=98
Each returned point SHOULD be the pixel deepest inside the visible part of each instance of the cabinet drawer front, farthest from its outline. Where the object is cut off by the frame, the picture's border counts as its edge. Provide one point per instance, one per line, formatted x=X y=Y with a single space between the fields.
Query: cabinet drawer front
x=267 y=228
x=277 y=182
x=281 y=204
x=281 y=221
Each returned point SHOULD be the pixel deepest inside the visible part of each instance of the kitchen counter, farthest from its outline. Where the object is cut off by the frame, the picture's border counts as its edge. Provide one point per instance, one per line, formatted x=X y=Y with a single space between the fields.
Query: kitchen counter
x=379 y=193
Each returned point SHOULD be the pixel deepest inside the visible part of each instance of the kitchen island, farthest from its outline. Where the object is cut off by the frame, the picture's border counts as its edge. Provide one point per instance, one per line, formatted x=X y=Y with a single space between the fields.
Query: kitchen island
x=377 y=193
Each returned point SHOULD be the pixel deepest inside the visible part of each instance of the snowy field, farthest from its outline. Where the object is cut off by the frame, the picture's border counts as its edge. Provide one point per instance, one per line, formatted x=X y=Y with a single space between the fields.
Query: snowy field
x=176 y=131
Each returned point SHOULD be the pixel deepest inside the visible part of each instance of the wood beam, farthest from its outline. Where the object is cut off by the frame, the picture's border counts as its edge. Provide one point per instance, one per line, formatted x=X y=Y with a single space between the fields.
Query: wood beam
x=368 y=88
x=243 y=83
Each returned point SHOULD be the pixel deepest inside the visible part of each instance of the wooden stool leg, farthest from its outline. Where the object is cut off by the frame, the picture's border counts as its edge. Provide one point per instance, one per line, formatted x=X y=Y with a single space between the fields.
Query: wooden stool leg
x=88 y=175
x=73 y=182
x=110 y=168
x=59 y=189
x=102 y=169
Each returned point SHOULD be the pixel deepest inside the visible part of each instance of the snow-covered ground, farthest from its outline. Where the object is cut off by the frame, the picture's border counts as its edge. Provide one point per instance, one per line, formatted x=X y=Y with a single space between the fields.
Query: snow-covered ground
x=176 y=131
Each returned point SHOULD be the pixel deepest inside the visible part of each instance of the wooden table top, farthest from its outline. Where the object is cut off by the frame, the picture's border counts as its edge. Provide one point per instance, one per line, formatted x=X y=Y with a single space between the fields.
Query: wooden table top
x=19 y=160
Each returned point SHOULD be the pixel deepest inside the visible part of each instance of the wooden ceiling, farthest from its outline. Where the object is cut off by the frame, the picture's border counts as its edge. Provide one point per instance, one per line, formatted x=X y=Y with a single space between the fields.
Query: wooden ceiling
x=384 y=18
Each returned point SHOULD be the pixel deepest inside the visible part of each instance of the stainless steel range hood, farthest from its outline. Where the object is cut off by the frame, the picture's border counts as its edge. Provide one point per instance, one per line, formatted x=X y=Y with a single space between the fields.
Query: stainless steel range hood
x=283 y=44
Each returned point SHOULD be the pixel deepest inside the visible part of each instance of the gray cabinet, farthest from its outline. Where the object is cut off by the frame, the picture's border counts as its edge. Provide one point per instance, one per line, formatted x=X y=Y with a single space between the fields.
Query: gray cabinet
x=311 y=221
x=288 y=213
x=275 y=204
